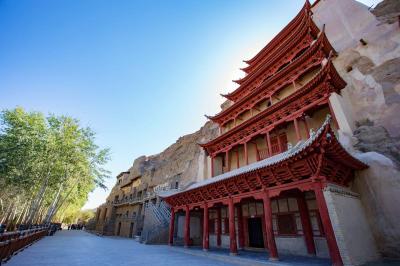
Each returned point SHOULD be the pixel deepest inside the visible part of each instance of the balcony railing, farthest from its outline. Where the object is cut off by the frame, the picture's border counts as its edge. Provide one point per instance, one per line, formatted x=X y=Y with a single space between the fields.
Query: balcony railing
x=263 y=154
x=125 y=217
x=145 y=196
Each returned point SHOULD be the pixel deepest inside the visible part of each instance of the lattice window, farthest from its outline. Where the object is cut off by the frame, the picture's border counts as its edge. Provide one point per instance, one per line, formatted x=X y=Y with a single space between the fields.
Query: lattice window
x=225 y=221
x=225 y=225
x=286 y=217
x=274 y=145
x=252 y=209
x=211 y=226
x=315 y=218
x=279 y=145
x=212 y=221
x=286 y=224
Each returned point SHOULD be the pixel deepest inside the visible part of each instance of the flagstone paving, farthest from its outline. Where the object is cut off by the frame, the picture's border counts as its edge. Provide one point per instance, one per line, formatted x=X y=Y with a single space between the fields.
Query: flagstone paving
x=76 y=248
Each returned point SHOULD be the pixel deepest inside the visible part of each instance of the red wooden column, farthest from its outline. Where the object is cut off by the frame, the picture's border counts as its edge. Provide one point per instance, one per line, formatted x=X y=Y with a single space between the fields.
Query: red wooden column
x=246 y=154
x=187 y=227
x=279 y=142
x=296 y=126
x=326 y=223
x=206 y=242
x=257 y=152
x=219 y=227
x=306 y=127
x=171 y=227
x=232 y=231
x=212 y=166
x=237 y=158
x=306 y=224
x=240 y=226
x=273 y=251
x=269 y=144
x=227 y=163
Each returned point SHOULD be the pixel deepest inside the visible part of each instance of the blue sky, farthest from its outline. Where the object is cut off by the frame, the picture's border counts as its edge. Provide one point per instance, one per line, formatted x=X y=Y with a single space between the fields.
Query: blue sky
x=140 y=73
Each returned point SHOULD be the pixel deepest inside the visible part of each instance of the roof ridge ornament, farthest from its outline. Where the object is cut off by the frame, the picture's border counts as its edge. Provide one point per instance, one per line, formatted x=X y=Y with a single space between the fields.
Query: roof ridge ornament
x=312 y=132
x=308 y=4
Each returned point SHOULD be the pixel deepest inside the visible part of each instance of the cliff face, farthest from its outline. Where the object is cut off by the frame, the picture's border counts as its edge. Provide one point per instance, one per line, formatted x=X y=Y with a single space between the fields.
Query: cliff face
x=387 y=11
x=368 y=46
x=184 y=157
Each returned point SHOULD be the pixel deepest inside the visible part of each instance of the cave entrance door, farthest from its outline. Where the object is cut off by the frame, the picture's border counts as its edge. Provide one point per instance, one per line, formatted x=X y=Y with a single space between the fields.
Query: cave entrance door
x=119 y=229
x=256 y=239
x=131 y=231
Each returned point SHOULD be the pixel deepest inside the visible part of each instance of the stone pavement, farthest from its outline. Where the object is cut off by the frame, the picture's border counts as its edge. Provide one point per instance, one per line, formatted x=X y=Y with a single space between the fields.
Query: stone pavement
x=78 y=248
x=255 y=258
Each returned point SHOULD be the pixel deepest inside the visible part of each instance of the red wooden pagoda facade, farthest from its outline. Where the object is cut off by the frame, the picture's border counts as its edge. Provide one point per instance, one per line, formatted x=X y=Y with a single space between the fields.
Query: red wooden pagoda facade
x=268 y=166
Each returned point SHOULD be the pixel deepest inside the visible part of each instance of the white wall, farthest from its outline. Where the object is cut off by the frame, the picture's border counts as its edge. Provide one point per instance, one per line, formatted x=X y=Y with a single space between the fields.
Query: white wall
x=195 y=228
x=225 y=243
x=291 y=245
x=321 y=247
x=379 y=187
x=297 y=246
x=213 y=240
x=353 y=234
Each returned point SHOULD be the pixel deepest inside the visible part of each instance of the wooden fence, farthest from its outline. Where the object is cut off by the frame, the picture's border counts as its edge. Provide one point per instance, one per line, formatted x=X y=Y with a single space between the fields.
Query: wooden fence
x=13 y=242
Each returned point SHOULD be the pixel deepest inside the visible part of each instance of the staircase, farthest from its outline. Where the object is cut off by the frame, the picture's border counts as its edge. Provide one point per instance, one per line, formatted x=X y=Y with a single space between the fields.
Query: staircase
x=156 y=223
x=165 y=211
x=107 y=227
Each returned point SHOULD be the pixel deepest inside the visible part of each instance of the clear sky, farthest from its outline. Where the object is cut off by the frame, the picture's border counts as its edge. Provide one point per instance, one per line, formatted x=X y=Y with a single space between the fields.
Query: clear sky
x=140 y=73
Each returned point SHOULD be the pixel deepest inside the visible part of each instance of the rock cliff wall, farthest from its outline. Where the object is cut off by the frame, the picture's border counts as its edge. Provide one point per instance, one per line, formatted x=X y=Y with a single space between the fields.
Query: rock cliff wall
x=368 y=45
x=184 y=157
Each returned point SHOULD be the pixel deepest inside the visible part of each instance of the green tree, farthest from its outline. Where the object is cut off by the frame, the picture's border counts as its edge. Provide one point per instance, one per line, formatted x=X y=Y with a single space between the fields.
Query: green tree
x=47 y=165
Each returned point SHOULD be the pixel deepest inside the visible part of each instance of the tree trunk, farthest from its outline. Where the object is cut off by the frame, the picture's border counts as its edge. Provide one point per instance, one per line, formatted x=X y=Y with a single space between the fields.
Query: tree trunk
x=39 y=197
x=1 y=206
x=52 y=207
x=24 y=210
x=10 y=211
x=37 y=203
x=10 y=219
x=6 y=213
x=41 y=216
x=58 y=206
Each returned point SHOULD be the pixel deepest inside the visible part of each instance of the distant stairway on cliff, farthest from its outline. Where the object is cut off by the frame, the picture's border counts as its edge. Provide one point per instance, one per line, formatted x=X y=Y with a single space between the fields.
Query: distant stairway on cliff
x=156 y=223
x=109 y=225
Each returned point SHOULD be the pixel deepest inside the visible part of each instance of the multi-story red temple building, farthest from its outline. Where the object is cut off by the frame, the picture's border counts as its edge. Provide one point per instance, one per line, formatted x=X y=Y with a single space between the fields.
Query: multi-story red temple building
x=276 y=154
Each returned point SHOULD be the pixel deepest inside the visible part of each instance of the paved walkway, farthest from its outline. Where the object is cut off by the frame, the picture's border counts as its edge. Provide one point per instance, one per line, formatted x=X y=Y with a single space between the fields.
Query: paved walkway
x=256 y=258
x=78 y=248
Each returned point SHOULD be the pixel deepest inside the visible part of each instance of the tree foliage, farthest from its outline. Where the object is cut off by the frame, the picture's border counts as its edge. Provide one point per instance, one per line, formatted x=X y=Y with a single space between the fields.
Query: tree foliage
x=48 y=166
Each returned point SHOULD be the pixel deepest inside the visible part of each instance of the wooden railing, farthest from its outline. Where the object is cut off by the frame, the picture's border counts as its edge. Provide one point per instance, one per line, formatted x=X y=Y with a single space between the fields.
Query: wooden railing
x=13 y=242
x=263 y=154
x=146 y=196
